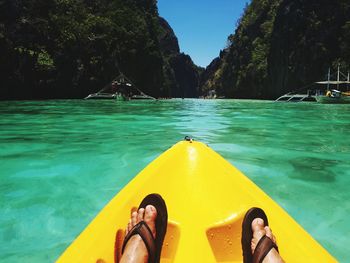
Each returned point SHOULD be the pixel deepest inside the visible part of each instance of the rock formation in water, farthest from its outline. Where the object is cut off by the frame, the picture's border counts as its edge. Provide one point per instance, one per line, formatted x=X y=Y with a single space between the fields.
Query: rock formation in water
x=281 y=45
x=68 y=49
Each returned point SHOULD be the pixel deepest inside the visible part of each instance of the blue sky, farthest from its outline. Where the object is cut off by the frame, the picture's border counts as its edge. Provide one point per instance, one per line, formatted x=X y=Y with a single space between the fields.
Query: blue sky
x=202 y=26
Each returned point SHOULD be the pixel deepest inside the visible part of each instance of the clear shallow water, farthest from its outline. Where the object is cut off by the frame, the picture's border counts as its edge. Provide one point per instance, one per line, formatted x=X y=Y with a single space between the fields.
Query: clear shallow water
x=62 y=161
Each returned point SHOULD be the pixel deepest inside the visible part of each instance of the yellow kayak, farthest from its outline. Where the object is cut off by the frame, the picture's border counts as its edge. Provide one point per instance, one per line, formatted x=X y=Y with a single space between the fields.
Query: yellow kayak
x=207 y=199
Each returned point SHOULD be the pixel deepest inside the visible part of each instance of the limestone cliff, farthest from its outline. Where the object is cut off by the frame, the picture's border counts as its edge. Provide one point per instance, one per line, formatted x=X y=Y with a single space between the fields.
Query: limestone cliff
x=281 y=45
x=68 y=49
x=181 y=73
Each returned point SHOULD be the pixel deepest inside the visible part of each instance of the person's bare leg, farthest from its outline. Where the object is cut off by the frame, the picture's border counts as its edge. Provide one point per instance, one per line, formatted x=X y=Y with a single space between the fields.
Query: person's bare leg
x=259 y=230
x=135 y=250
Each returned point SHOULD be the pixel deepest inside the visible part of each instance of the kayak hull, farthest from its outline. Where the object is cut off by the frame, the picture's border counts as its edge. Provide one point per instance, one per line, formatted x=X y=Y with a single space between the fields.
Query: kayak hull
x=207 y=199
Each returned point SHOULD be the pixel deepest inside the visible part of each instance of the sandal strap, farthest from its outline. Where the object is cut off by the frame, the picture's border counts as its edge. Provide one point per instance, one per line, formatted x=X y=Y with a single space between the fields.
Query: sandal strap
x=143 y=230
x=263 y=247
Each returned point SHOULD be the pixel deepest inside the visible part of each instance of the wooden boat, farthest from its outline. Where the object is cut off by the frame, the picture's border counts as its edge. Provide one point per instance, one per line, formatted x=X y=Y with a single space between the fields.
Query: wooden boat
x=120 y=88
x=334 y=95
x=207 y=199
x=327 y=95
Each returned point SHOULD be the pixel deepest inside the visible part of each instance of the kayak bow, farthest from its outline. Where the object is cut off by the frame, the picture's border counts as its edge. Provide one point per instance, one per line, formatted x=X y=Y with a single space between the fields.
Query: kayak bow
x=207 y=199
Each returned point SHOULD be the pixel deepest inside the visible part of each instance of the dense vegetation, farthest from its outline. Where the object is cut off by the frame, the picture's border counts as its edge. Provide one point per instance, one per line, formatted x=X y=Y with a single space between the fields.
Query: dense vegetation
x=70 y=48
x=281 y=45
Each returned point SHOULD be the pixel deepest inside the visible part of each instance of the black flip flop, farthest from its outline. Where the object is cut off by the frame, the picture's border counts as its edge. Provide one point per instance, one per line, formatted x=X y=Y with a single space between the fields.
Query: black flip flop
x=153 y=245
x=264 y=245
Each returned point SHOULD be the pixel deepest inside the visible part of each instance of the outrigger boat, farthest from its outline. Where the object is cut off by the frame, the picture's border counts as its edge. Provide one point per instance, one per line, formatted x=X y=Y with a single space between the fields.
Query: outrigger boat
x=120 y=88
x=207 y=199
x=334 y=95
x=327 y=95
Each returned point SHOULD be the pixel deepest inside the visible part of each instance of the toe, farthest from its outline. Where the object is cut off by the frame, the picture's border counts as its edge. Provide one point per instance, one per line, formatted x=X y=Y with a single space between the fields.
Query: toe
x=129 y=227
x=258 y=228
x=133 y=219
x=268 y=231
x=151 y=213
x=257 y=224
x=258 y=232
x=269 y=234
x=140 y=214
x=150 y=217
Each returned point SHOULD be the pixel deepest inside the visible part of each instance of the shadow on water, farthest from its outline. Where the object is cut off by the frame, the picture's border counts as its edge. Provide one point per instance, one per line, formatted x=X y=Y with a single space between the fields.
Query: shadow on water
x=313 y=169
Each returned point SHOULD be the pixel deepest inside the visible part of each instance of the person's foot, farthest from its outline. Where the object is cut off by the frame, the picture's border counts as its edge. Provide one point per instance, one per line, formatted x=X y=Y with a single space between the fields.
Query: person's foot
x=135 y=250
x=260 y=230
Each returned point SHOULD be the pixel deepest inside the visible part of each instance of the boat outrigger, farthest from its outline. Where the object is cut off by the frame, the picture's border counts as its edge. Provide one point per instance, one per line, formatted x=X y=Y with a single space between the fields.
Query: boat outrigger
x=120 y=88
x=207 y=199
x=327 y=95
x=309 y=96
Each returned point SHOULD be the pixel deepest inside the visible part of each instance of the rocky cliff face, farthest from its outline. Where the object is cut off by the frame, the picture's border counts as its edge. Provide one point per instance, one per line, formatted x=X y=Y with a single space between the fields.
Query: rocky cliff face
x=68 y=49
x=308 y=38
x=186 y=75
x=181 y=73
x=167 y=39
x=282 y=45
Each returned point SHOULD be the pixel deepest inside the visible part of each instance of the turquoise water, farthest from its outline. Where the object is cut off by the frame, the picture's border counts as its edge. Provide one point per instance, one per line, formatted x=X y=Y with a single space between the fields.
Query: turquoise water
x=62 y=161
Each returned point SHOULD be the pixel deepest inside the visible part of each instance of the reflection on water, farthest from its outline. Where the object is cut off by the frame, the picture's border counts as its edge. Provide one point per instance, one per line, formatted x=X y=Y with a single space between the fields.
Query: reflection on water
x=62 y=161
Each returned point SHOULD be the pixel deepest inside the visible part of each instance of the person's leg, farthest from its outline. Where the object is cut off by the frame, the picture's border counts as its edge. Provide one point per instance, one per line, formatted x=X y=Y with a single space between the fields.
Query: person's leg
x=135 y=250
x=260 y=230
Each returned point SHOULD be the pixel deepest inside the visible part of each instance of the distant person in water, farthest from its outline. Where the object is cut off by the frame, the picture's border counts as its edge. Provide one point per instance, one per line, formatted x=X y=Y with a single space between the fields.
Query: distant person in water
x=145 y=232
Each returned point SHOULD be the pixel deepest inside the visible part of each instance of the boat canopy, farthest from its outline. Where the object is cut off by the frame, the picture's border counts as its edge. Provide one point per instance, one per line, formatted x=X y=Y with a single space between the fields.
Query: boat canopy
x=332 y=82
